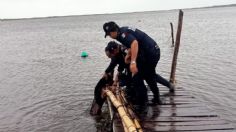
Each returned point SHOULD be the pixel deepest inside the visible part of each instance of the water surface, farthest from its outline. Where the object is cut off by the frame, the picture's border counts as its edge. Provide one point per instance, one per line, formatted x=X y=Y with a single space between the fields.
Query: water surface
x=46 y=86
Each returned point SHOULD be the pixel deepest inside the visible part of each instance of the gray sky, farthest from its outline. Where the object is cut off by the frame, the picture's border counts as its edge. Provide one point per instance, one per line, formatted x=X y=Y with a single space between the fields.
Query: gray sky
x=43 y=8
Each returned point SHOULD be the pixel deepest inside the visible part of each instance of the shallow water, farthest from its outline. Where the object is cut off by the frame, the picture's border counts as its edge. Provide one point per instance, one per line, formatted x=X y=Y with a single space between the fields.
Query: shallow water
x=46 y=86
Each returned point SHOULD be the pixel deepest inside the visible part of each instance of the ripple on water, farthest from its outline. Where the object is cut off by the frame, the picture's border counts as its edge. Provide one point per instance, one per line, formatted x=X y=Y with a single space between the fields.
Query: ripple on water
x=47 y=86
x=61 y=113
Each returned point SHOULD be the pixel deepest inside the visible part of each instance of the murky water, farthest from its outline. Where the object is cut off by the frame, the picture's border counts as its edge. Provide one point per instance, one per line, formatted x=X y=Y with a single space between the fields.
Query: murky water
x=46 y=86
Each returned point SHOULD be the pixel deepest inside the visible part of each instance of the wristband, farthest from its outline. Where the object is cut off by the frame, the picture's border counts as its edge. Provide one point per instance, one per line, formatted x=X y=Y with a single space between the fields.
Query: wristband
x=133 y=62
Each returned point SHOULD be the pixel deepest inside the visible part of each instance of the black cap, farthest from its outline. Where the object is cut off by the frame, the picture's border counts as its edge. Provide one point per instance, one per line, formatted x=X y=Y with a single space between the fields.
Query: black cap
x=111 y=46
x=110 y=27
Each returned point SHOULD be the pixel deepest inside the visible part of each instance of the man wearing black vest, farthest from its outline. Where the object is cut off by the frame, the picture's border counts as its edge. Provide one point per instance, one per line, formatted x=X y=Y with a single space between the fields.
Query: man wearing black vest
x=145 y=54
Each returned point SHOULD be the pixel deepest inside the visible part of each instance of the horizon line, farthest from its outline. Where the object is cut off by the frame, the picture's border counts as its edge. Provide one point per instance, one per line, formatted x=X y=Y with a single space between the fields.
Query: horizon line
x=23 y=18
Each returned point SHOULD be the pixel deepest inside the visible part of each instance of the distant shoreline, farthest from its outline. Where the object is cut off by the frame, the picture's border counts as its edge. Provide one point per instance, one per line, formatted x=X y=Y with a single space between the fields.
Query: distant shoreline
x=215 y=6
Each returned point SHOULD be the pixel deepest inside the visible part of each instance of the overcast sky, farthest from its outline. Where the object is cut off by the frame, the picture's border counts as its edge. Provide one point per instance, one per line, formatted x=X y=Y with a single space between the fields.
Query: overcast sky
x=43 y=8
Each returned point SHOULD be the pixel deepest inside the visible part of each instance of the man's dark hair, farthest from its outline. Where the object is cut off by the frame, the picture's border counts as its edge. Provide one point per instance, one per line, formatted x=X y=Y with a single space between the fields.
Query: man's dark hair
x=111 y=46
x=110 y=27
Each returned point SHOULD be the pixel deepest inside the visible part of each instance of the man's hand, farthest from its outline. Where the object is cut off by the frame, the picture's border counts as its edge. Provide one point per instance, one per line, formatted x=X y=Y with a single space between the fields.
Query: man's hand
x=128 y=57
x=113 y=89
x=105 y=75
x=103 y=94
x=133 y=68
x=115 y=83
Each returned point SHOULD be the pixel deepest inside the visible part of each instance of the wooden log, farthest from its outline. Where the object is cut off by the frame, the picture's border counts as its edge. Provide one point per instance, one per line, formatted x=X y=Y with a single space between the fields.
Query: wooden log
x=130 y=112
x=123 y=115
x=111 y=114
x=177 y=43
x=119 y=99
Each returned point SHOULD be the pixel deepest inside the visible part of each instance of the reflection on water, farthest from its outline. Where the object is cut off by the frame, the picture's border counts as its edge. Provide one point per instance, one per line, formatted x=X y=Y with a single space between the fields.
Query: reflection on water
x=46 y=86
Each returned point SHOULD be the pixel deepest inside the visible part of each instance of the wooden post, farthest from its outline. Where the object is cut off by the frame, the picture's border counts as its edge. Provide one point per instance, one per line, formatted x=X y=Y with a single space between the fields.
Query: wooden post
x=172 y=34
x=177 y=43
